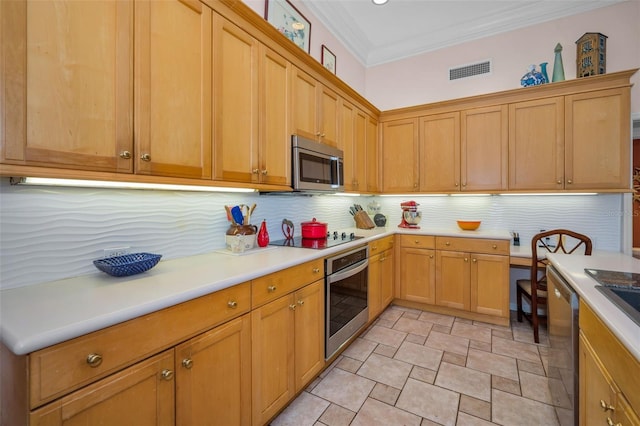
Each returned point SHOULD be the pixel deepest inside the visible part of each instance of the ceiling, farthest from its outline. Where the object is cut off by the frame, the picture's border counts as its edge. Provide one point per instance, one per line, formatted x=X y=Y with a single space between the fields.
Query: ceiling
x=402 y=28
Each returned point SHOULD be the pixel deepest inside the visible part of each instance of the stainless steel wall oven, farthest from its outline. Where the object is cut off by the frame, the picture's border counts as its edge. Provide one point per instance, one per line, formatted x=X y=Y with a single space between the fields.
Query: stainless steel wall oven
x=346 y=297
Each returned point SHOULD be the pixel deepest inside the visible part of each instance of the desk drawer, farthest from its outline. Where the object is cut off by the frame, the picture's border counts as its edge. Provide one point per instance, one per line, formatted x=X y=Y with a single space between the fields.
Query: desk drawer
x=58 y=369
x=473 y=245
x=272 y=286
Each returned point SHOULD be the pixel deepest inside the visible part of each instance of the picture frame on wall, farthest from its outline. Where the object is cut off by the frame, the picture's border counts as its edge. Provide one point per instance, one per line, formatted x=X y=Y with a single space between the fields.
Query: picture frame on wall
x=328 y=59
x=289 y=21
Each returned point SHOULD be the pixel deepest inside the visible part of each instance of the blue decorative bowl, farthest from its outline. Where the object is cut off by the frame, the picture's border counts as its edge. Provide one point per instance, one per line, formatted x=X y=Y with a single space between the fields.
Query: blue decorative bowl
x=532 y=78
x=129 y=264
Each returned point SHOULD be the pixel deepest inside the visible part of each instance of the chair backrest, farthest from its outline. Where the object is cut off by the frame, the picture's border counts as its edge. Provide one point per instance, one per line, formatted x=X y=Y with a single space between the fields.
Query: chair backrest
x=559 y=241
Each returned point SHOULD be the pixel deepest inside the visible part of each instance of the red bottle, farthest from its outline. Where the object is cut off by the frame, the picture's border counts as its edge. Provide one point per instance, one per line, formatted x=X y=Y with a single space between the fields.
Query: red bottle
x=263 y=235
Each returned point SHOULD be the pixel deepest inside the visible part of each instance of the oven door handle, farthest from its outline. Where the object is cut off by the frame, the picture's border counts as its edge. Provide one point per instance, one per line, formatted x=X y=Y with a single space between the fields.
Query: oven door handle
x=349 y=272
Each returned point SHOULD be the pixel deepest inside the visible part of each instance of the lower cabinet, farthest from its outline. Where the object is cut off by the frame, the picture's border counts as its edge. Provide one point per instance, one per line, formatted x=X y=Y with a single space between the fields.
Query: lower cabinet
x=288 y=348
x=213 y=376
x=608 y=384
x=381 y=276
x=142 y=394
x=417 y=269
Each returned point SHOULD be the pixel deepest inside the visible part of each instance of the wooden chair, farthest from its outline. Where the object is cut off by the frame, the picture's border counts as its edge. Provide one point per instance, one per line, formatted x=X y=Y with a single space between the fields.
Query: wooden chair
x=534 y=289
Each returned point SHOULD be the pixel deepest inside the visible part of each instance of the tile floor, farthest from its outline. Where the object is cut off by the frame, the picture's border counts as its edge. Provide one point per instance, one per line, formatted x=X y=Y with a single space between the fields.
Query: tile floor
x=419 y=368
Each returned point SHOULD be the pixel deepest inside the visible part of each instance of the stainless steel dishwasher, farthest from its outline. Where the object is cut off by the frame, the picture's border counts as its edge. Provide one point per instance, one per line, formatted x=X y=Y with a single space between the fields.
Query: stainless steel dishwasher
x=562 y=323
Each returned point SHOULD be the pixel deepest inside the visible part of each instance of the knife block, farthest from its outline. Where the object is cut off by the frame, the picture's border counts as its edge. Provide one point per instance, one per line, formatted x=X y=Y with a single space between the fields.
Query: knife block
x=363 y=221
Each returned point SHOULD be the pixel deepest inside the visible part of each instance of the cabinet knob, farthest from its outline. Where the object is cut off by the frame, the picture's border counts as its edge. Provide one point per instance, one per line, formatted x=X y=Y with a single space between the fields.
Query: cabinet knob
x=416 y=242
x=430 y=256
x=166 y=375
x=255 y=171
x=474 y=260
x=187 y=363
x=94 y=360
x=464 y=184
x=611 y=423
x=125 y=154
x=318 y=134
x=264 y=172
x=316 y=270
x=145 y=157
x=569 y=181
x=415 y=185
x=559 y=182
x=447 y=243
x=456 y=184
x=292 y=307
x=232 y=304
x=382 y=259
x=605 y=407
x=495 y=246
x=300 y=302
x=271 y=288
x=322 y=135
x=466 y=259
x=374 y=248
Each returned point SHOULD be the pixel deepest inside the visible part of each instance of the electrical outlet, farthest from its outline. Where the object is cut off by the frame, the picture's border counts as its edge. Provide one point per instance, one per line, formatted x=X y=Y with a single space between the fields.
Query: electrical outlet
x=113 y=252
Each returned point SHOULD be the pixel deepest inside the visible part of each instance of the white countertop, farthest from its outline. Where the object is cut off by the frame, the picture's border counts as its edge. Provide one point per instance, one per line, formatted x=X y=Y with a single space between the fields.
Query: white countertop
x=572 y=269
x=37 y=316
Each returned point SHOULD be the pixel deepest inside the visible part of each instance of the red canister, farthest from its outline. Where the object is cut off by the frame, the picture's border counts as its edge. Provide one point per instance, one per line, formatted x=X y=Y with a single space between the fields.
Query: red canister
x=314 y=229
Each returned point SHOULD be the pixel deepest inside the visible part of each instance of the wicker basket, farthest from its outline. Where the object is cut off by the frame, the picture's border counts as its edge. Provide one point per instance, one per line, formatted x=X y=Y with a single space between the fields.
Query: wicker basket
x=129 y=264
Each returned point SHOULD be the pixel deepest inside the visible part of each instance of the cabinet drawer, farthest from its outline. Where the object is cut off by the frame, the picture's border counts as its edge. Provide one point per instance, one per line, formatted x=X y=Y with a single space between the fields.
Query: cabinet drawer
x=378 y=246
x=419 y=241
x=474 y=245
x=61 y=368
x=272 y=286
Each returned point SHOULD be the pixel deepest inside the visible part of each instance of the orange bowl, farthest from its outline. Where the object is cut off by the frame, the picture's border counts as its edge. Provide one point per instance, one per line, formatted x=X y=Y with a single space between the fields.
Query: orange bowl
x=469 y=225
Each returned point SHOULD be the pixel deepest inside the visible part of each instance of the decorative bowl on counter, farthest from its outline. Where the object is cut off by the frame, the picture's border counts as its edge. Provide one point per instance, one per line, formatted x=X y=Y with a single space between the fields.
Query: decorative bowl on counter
x=469 y=225
x=412 y=217
x=128 y=264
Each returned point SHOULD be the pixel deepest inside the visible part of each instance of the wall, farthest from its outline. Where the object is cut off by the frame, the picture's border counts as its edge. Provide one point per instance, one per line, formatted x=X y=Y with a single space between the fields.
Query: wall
x=48 y=234
x=424 y=78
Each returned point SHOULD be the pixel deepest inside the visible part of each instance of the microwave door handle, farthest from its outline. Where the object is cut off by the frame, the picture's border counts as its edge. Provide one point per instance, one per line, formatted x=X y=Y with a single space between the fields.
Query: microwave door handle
x=336 y=183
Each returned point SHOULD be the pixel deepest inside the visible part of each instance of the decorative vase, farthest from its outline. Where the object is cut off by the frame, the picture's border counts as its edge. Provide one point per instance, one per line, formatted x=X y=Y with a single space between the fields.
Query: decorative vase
x=543 y=70
x=532 y=78
x=558 y=68
x=263 y=235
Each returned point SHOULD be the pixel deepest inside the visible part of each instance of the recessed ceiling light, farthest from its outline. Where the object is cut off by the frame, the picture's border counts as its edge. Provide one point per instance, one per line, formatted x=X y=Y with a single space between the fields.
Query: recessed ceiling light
x=379 y=2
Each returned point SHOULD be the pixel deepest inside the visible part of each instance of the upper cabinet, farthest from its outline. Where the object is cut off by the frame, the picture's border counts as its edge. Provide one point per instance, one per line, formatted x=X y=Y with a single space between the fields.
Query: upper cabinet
x=440 y=152
x=172 y=116
x=315 y=109
x=68 y=74
x=400 y=156
x=373 y=156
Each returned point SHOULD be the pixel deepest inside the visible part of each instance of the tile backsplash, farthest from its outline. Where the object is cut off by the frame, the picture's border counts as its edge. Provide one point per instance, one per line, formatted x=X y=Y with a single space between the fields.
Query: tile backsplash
x=50 y=233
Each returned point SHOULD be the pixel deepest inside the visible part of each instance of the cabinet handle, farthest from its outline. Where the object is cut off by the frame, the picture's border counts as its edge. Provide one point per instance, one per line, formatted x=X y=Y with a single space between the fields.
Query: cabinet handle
x=187 y=363
x=610 y=422
x=145 y=157
x=94 y=360
x=605 y=407
x=166 y=375
x=316 y=270
x=125 y=154
x=300 y=302
x=292 y=307
x=382 y=259
x=264 y=172
x=569 y=181
x=271 y=288
x=232 y=304
x=255 y=171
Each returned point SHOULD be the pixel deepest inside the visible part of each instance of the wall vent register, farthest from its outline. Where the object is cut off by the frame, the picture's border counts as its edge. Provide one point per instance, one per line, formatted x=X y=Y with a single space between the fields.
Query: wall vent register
x=470 y=70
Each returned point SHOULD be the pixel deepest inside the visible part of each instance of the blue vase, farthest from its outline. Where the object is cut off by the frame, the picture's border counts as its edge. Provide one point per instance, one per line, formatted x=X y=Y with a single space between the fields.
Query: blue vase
x=532 y=78
x=558 y=68
x=543 y=70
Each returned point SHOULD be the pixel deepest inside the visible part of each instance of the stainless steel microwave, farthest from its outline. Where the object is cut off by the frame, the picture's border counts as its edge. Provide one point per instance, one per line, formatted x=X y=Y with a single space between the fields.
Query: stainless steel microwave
x=316 y=166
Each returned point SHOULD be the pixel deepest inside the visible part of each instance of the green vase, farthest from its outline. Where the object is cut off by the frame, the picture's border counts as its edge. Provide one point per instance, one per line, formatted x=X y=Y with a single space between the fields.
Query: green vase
x=558 y=68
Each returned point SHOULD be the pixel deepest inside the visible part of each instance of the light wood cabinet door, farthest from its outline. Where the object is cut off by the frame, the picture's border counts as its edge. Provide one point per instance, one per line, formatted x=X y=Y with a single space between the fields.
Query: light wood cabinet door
x=440 y=152
x=172 y=85
x=236 y=103
x=387 y=274
x=273 y=373
x=490 y=284
x=418 y=275
x=373 y=166
x=305 y=99
x=350 y=141
x=142 y=394
x=452 y=279
x=484 y=142
x=400 y=156
x=274 y=152
x=595 y=386
x=536 y=144
x=309 y=333
x=213 y=376
x=67 y=84
x=329 y=110
x=597 y=149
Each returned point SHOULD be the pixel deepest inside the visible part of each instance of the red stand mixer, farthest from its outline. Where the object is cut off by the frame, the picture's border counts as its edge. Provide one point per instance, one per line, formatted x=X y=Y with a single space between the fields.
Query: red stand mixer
x=410 y=215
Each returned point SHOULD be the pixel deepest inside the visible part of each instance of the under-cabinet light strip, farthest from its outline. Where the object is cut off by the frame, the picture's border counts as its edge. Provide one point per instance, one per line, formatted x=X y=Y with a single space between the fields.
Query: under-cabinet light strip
x=122 y=185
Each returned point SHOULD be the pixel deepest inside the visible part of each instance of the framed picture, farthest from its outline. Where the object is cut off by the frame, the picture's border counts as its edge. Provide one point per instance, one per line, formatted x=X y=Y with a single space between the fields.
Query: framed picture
x=289 y=21
x=328 y=59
